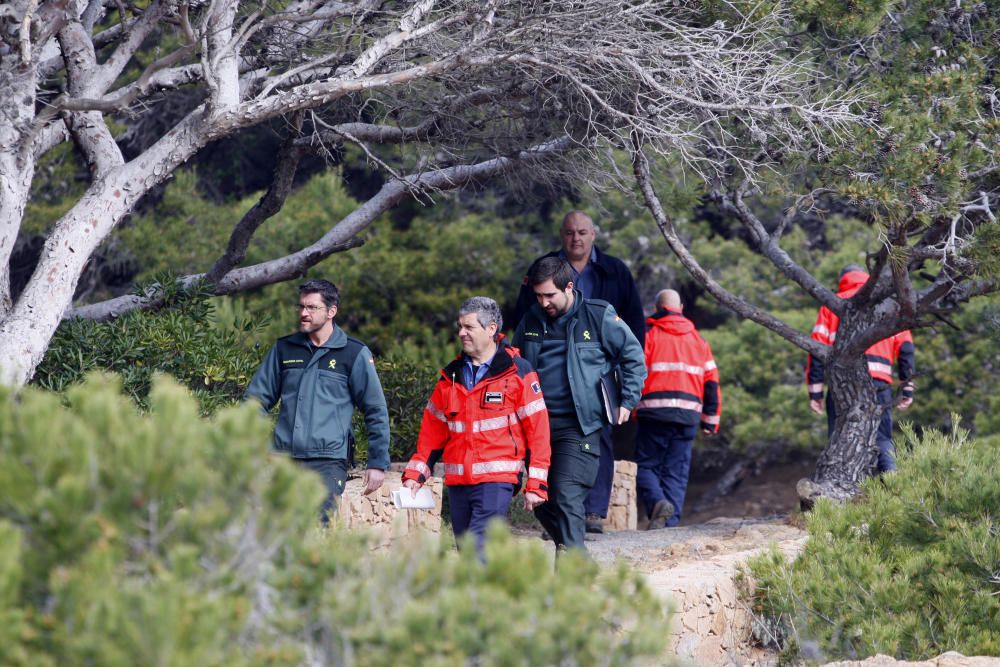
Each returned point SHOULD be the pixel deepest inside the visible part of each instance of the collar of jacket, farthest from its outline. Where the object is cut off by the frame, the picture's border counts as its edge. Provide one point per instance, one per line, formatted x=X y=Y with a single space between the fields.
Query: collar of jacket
x=669 y=321
x=664 y=313
x=336 y=340
x=600 y=263
x=503 y=360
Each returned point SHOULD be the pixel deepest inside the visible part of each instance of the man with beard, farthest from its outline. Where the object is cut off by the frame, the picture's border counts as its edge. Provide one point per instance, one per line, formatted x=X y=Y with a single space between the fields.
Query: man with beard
x=571 y=342
x=596 y=275
x=320 y=374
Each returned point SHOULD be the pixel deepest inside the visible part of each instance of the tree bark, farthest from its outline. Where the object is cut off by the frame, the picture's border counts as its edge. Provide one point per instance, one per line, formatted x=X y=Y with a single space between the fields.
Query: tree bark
x=852 y=451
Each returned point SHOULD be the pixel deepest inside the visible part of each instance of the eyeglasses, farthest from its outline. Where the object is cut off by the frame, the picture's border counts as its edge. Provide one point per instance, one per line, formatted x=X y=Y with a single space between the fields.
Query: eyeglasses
x=312 y=309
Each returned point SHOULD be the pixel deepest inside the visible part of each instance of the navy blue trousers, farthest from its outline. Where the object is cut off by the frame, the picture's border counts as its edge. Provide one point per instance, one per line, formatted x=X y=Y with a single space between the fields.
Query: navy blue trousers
x=663 y=458
x=886 y=451
x=600 y=494
x=473 y=506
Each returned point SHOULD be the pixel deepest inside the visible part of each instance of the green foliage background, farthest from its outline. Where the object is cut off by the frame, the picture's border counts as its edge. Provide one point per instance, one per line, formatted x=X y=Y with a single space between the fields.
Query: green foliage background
x=928 y=70
x=910 y=570
x=164 y=538
x=400 y=291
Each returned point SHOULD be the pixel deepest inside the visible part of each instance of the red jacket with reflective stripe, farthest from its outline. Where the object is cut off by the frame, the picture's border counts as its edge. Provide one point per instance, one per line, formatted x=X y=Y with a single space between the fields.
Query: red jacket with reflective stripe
x=495 y=432
x=881 y=356
x=682 y=383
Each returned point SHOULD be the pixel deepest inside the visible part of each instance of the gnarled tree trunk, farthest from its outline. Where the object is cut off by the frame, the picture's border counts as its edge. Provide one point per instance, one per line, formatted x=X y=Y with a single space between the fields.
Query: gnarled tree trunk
x=852 y=450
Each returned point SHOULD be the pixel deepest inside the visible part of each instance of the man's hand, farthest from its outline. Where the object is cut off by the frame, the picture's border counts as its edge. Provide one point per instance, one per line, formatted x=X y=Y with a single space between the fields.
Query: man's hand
x=413 y=485
x=531 y=501
x=816 y=406
x=373 y=480
x=904 y=402
x=623 y=414
x=708 y=432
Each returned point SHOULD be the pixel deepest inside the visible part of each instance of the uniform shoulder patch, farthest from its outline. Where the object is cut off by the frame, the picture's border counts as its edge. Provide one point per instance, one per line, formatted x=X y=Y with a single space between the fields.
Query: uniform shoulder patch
x=535 y=387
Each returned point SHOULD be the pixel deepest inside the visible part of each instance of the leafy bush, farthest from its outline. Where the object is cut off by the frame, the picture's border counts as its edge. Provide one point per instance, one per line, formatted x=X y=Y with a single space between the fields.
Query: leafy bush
x=911 y=570
x=407 y=386
x=182 y=338
x=162 y=538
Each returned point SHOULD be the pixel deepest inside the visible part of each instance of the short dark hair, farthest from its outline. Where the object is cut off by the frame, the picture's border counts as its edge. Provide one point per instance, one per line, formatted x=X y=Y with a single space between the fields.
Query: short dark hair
x=553 y=268
x=327 y=291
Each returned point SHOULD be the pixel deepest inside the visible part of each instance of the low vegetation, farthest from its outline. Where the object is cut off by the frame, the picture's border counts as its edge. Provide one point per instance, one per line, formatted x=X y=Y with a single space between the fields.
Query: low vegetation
x=159 y=537
x=911 y=569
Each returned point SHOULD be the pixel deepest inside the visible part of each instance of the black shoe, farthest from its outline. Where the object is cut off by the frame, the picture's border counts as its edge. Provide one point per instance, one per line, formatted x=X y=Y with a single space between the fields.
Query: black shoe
x=595 y=524
x=662 y=511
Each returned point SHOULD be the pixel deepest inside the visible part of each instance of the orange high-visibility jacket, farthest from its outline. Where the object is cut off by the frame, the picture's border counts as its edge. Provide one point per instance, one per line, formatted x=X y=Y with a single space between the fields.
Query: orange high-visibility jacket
x=682 y=384
x=881 y=356
x=492 y=433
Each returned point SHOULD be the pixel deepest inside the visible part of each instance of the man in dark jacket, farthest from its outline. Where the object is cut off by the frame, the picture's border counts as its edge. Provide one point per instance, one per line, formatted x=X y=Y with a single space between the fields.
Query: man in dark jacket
x=681 y=392
x=596 y=275
x=571 y=342
x=320 y=375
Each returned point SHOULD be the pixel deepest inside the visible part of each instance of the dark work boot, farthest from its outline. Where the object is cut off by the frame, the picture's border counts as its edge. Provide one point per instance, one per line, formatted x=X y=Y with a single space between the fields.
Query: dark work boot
x=595 y=524
x=662 y=511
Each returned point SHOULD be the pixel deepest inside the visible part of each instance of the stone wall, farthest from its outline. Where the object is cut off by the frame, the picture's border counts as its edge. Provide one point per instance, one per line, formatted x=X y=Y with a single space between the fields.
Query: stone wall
x=622 y=512
x=711 y=625
x=378 y=511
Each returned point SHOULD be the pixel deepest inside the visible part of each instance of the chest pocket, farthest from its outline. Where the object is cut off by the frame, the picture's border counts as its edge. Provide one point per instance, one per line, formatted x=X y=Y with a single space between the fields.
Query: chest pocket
x=495 y=399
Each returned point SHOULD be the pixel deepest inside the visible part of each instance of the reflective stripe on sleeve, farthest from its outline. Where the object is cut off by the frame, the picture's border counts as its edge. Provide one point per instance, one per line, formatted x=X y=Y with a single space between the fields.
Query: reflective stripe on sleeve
x=710 y=365
x=816 y=388
x=876 y=367
x=486 y=467
x=526 y=411
x=456 y=427
x=454 y=469
x=420 y=467
x=538 y=473
x=710 y=419
x=433 y=409
x=669 y=403
x=664 y=366
x=821 y=330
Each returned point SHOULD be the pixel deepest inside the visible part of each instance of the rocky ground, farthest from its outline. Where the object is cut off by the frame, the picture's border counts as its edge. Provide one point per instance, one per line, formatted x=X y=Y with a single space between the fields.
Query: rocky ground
x=693 y=568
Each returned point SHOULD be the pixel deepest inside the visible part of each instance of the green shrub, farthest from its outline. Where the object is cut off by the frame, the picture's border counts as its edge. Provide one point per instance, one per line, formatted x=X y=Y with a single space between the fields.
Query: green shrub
x=163 y=538
x=910 y=570
x=182 y=338
x=407 y=386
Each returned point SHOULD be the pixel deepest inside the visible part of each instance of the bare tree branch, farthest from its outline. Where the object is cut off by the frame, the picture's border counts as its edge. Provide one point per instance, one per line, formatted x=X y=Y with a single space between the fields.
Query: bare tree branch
x=769 y=248
x=641 y=167
x=341 y=237
x=272 y=202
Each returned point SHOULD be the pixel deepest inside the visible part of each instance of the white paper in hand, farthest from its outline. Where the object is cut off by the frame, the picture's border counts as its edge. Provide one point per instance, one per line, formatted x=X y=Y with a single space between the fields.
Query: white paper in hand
x=404 y=499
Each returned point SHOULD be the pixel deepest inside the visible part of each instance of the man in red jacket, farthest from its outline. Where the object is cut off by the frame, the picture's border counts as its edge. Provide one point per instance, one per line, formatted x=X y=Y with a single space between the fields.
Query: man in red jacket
x=487 y=421
x=881 y=356
x=681 y=392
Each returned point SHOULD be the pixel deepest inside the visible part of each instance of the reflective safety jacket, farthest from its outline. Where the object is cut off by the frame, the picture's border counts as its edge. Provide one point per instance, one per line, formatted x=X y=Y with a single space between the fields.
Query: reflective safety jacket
x=682 y=385
x=880 y=357
x=494 y=432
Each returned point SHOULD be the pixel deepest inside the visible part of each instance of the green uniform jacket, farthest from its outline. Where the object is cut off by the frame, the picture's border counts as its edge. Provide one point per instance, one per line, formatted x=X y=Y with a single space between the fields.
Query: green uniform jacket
x=597 y=339
x=319 y=389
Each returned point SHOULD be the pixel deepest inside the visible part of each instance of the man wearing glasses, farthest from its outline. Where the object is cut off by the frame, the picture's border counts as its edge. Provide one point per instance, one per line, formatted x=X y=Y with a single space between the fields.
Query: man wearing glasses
x=320 y=374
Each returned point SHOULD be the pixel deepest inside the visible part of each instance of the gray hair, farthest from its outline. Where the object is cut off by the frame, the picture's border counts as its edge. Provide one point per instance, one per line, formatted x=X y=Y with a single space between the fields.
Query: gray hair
x=485 y=309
